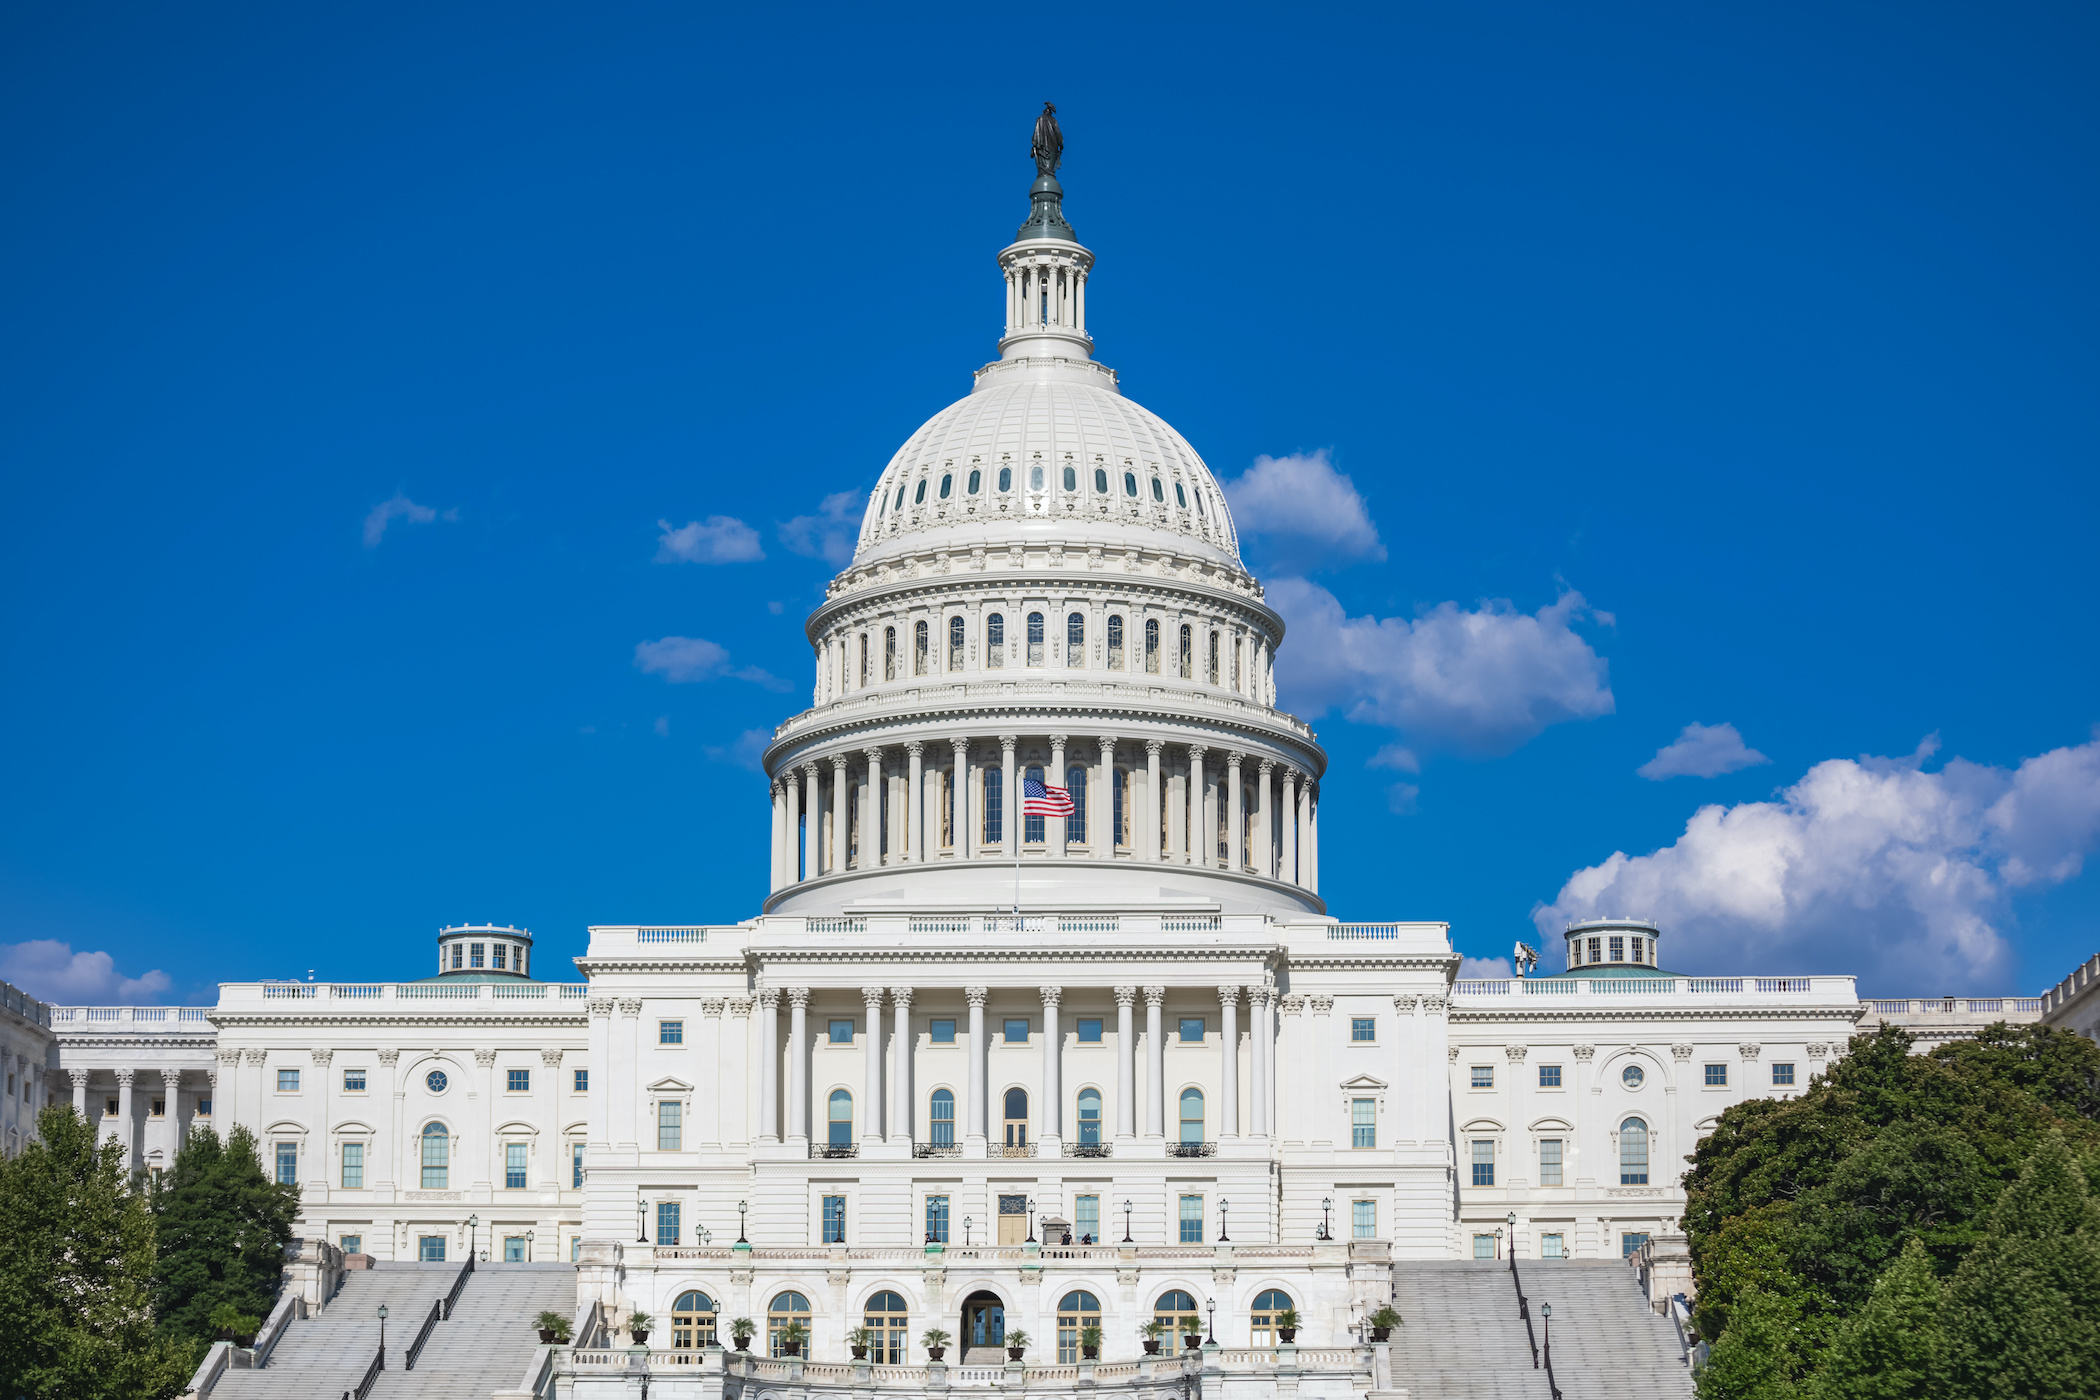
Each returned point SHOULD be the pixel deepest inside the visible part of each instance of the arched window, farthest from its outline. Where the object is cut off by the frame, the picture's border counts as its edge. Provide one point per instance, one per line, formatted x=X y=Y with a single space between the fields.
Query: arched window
x=437 y=1157
x=840 y=1113
x=940 y=1119
x=1633 y=1153
x=1130 y=484
x=1075 y=783
x=995 y=640
x=1090 y=1115
x=884 y=1317
x=1177 y=1311
x=976 y=480
x=889 y=653
x=1151 y=646
x=1188 y=652
x=1035 y=639
x=1100 y=482
x=1016 y=1106
x=1199 y=500
x=956 y=632
x=1006 y=479
x=1075 y=1310
x=1035 y=477
x=918 y=497
x=1191 y=1115
x=898 y=504
x=994 y=807
x=1267 y=1304
x=1071 y=478
x=1214 y=658
x=1181 y=497
x=863 y=661
x=693 y=1320
x=918 y=649
x=1119 y=807
x=1031 y=822
x=1158 y=494
x=1075 y=639
x=785 y=1311
x=1115 y=641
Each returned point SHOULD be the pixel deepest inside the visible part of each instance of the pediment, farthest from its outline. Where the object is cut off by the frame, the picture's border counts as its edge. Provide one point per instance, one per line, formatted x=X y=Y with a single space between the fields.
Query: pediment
x=1365 y=1081
x=670 y=1084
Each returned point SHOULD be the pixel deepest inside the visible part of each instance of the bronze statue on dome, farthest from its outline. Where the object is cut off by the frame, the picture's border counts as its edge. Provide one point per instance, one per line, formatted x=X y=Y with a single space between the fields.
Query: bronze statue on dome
x=1048 y=147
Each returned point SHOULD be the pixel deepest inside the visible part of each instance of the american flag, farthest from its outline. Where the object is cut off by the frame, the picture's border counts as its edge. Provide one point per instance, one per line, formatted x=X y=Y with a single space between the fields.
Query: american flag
x=1039 y=800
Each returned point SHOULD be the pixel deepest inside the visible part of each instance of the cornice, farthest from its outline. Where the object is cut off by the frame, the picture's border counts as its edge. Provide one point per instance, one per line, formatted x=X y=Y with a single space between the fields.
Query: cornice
x=1653 y=1013
x=187 y=1040
x=892 y=593
x=337 y=1018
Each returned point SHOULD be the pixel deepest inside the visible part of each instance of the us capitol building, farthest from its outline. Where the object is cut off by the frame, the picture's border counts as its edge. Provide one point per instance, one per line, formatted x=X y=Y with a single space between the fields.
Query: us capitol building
x=975 y=1069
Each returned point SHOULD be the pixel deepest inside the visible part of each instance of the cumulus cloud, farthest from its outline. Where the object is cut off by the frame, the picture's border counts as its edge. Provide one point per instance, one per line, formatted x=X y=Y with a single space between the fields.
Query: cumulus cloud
x=685 y=660
x=1702 y=751
x=399 y=507
x=745 y=751
x=1486 y=967
x=1870 y=865
x=719 y=539
x=51 y=970
x=829 y=534
x=1304 y=510
x=1483 y=680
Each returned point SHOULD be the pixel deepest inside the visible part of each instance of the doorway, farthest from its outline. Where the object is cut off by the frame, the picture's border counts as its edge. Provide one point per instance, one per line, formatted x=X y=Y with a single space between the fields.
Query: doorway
x=983 y=1330
x=1013 y=1219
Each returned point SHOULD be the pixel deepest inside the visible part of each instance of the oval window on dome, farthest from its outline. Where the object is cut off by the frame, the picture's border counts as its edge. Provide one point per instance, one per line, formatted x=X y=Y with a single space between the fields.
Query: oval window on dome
x=1035 y=477
x=1130 y=483
x=1199 y=503
x=1071 y=479
x=1157 y=493
x=976 y=480
x=899 y=503
x=1181 y=497
x=1100 y=481
x=948 y=483
x=1006 y=478
x=918 y=497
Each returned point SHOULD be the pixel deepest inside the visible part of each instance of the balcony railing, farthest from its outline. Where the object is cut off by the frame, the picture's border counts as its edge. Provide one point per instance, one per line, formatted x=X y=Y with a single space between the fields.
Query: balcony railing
x=138 y=1020
x=1192 y=1149
x=1089 y=1149
x=1839 y=989
x=936 y=1149
x=833 y=1151
x=1008 y=1149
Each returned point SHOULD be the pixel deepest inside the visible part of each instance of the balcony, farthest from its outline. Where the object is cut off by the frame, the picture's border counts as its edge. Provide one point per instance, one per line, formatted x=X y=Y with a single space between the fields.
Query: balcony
x=1089 y=1149
x=1013 y=1150
x=936 y=1149
x=1192 y=1149
x=830 y=1151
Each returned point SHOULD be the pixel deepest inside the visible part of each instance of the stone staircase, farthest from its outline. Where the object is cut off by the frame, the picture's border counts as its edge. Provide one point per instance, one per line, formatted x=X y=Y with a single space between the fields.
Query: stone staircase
x=1607 y=1343
x=320 y=1357
x=488 y=1339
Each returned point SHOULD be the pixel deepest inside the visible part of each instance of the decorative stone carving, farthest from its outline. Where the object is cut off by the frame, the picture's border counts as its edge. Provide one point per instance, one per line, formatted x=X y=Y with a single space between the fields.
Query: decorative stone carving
x=485 y=1058
x=1451 y=1052
x=1155 y=996
x=1406 y=1003
x=1126 y=996
x=1749 y=1050
x=1818 y=1051
x=551 y=1058
x=740 y=1006
x=712 y=1006
x=1292 y=1005
x=1515 y=1053
x=1681 y=1052
x=1322 y=1005
x=976 y=996
x=798 y=996
x=1052 y=996
x=389 y=1057
x=1585 y=1053
x=321 y=1058
x=600 y=1006
x=257 y=1057
x=630 y=1006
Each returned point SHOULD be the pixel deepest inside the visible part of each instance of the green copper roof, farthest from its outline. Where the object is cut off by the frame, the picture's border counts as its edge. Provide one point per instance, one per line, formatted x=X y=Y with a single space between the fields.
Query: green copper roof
x=1046 y=213
x=1614 y=970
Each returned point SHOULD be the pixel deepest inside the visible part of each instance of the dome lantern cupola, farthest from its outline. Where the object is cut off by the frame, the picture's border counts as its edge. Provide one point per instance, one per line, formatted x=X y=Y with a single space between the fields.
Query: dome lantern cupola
x=1046 y=268
x=1609 y=944
x=484 y=952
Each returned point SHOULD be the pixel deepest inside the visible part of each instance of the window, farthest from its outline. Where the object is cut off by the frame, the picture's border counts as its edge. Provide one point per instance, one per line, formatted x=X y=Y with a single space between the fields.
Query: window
x=430 y=1248
x=1618 y=950
x=1151 y=646
x=514 y=1154
x=352 y=1244
x=1782 y=1074
x=1089 y=1031
x=288 y=1081
x=838 y=1114
x=1035 y=477
x=475 y=954
x=1191 y=1220
x=1157 y=493
x=670 y=1125
x=575 y=1249
x=884 y=1317
x=1115 y=642
x=583 y=1081
x=940 y=1118
x=1553 y=1246
x=437 y=1156
x=1717 y=1076
x=995 y=640
x=1130 y=483
x=1090 y=1115
x=496 y=958
x=1086 y=1218
x=1270 y=1301
x=670 y=1032
x=937 y=1206
x=1006 y=478
x=1071 y=478
x=667 y=1222
x=1213 y=663
x=840 y=1032
x=693 y=1315
x=1192 y=1115
x=1363 y=1122
x=353 y=1166
x=1100 y=482
x=1017 y=1031
x=458 y=952
x=513 y=1249
x=1075 y=639
x=1031 y=822
x=1181 y=497
x=1119 y=807
x=1016 y=1118
x=994 y=807
x=1192 y=1028
x=834 y=1220
x=1483 y=1162
x=1483 y=1076
x=1630 y=1243
x=955 y=643
x=1549 y=1161
x=576 y=1166
x=941 y=1032
x=1199 y=501
x=353 y=1081
x=1633 y=1153
x=976 y=480
x=288 y=1164
x=1077 y=1310
x=435 y=1081
x=1363 y=1219
x=204 y=1108
x=863 y=660
x=918 y=495
x=1363 y=1029
x=519 y=1081
x=1631 y=1076
x=1549 y=1076
x=918 y=648
x=1188 y=652
x=1035 y=639
x=889 y=653
x=1596 y=950
x=1484 y=1247
x=1075 y=784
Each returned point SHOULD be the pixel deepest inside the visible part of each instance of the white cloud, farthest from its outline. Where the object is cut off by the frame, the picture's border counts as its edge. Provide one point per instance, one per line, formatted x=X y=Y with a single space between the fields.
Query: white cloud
x=745 y=751
x=51 y=970
x=684 y=660
x=1308 y=512
x=830 y=533
x=399 y=507
x=1393 y=756
x=1401 y=799
x=663 y=726
x=1483 y=680
x=719 y=539
x=1702 y=751
x=1870 y=865
x=1486 y=968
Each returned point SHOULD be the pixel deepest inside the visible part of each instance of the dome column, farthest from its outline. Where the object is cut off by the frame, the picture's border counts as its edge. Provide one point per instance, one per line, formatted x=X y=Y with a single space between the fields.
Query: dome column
x=915 y=803
x=965 y=830
x=1148 y=847
x=1199 y=848
x=1009 y=799
x=1235 y=814
x=813 y=823
x=841 y=825
x=1312 y=838
x=1264 y=822
x=871 y=823
x=1290 y=825
x=779 y=838
x=1054 y=840
x=1101 y=823
x=791 y=831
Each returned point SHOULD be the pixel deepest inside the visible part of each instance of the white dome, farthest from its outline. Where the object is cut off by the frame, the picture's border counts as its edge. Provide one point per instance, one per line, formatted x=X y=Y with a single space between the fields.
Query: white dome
x=1131 y=474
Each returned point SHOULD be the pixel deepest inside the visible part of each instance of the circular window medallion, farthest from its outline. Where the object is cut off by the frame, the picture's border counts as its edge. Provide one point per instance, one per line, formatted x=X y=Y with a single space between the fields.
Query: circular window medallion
x=1631 y=1076
x=435 y=1081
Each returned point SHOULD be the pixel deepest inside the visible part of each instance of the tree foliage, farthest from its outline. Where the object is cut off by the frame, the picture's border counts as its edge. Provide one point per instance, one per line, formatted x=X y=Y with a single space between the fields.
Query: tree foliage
x=223 y=1228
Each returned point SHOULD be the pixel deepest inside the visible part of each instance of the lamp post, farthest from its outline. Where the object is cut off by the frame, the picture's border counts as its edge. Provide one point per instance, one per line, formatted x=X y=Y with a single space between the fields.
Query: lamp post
x=741 y=1207
x=705 y=1238
x=1223 y=1206
x=966 y=1231
x=641 y=1221
x=1326 y=1206
x=1513 y=1239
x=1210 y=1306
x=473 y=1223
x=1498 y=1241
x=1126 y=1223
x=382 y=1336
x=1031 y=1220
x=528 y=1246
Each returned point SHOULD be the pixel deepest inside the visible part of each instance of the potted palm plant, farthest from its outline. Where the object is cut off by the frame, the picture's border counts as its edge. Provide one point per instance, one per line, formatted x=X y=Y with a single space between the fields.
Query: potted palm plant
x=741 y=1331
x=1151 y=1332
x=638 y=1324
x=1191 y=1334
x=792 y=1337
x=1287 y=1325
x=1383 y=1322
x=553 y=1327
x=936 y=1343
x=1090 y=1342
x=1016 y=1343
x=860 y=1338
x=235 y=1326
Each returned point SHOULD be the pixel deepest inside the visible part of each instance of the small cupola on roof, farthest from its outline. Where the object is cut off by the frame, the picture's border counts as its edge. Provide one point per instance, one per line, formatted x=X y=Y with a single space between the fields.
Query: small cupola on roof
x=1614 y=948
x=484 y=953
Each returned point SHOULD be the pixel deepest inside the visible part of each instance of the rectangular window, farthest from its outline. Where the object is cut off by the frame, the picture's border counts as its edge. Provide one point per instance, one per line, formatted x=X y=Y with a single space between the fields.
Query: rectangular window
x=840 y=1032
x=437 y=1157
x=352 y=1244
x=519 y=1081
x=1086 y=1218
x=936 y=1220
x=667 y=1222
x=430 y=1248
x=994 y=809
x=1089 y=1030
x=1782 y=1074
x=353 y=1166
x=1192 y=1220
x=940 y=1121
x=1549 y=1076
x=353 y=1081
x=583 y=1081
x=475 y=954
x=288 y=1081
x=576 y=1166
x=1618 y=950
x=1630 y=1243
x=496 y=959
x=1483 y=1162
x=1192 y=1028
x=1484 y=1246
x=941 y=1032
x=670 y=1032
x=1596 y=950
x=513 y=1249
x=158 y=1108
x=514 y=1166
x=458 y=952
x=1717 y=1076
x=834 y=1220
x=1017 y=1032
x=575 y=1249
x=1553 y=1246
x=1363 y=1123
x=288 y=1164
x=204 y=1108
x=1363 y=1219
x=670 y=1125
x=1363 y=1029
x=1483 y=1076
x=1549 y=1161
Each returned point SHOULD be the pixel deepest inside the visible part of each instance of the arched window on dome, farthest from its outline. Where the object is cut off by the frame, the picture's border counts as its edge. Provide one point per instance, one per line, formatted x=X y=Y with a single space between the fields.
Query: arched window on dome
x=995 y=640
x=898 y=504
x=1119 y=807
x=1075 y=639
x=956 y=632
x=948 y=482
x=1158 y=494
x=1071 y=478
x=1199 y=500
x=889 y=653
x=1181 y=497
x=1100 y=481
x=1035 y=477
x=1035 y=639
x=1115 y=641
x=1188 y=652
x=1151 y=646
x=864 y=659
x=1236 y=650
x=1130 y=484
x=1006 y=479
x=1213 y=658
x=918 y=648
x=918 y=497
x=976 y=480
x=1075 y=783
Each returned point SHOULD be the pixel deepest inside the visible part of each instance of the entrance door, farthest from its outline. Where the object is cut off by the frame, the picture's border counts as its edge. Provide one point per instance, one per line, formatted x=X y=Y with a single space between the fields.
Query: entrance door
x=983 y=1325
x=1013 y=1219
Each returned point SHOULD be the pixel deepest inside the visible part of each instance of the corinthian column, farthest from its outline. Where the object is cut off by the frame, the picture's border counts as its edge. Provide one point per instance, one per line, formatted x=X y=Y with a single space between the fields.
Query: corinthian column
x=841 y=820
x=965 y=831
x=871 y=1081
x=791 y=852
x=915 y=803
x=1054 y=832
x=1052 y=1119
x=1258 y=1014
x=1126 y=1063
x=779 y=843
x=1101 y=822
x=1009 y=797
x=1229 y=1069
x=1148 y=845
x=813 y=823
x=769 y=1064
x=1203 y=840
x=871 y=823
x=1235 y=815
x=1287 y=859
x=1155 y=1065
x=1264 y=822
x=798 y=1057
x=903 y=1046
x=975 y=1140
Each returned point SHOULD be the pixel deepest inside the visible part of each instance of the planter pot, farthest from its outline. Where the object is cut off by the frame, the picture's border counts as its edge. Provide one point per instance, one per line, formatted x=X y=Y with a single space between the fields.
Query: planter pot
x=1151 y=1346
x=547 y=1336
x=1191 y=1343
x=742 y=1343
x=860 y=1353
x=936 y=1353
x=1380 y=1334
x=1289 y=1334
x=245 y=1342
x=641 y=1338
x=1014 y=1353
x=1090 y=1353
x=791 y=1348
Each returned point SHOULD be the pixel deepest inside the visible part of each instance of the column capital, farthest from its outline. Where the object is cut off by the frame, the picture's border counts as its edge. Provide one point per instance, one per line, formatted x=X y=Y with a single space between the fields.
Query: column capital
x=257 y=1056
x=630 y=1006
x=1107 y=743
x=1155 y=995
x=1058 y=740
x=1052 y=995
x=1126 y=996
x=485 y=1058
x=798 y=996
x=713 y=1006
x=1268 y=765
x=551 y=1058
x=770 y=996
x=1008 y=743
x=321 y=1057
x=873 y=753
x=125 y=1076
x=1155 y=746
x=1260 y=993
x=1233 y=758
x=961 y=742
x=900 y=997
x=1229 y=995
x=873 y=997
x=389 y=1057
x=976 y=996
x=810 y=770
x=839 y=762
x=914 y=747
x=1196 y=752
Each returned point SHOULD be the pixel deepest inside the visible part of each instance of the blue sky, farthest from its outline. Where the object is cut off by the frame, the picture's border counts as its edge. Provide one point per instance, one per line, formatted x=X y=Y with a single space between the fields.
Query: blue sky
x=1658 y=368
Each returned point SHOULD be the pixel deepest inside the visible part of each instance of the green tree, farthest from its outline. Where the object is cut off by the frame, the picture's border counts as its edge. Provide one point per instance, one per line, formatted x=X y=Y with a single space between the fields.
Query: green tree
x=76 y=1267
x=1892 y=1348
x=1767 y=1349
x=224 y=1226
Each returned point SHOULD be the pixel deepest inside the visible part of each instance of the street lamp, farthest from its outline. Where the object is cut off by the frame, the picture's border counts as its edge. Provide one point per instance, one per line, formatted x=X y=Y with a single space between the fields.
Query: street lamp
x=741 y=1207
x=473 y=1223
x=1031 y=1220
x=1498 y=1241
x=1512 y=1239
x=1223 y=1206
x=1210 y=1305
x=641 y=1221
x=700 y=1230
x=1126 y=1223
x=528 y=1246
x=382 y=1336
x=1546 y=1312
x=966 y=1230
x=1326 y=1205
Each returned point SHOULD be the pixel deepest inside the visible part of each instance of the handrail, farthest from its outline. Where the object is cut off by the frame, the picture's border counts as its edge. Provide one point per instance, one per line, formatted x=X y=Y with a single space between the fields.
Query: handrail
x=1523 y=1305
x=1551 y=1384
x=452 y=1298
x=415 y=1348
x=372 y=1371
